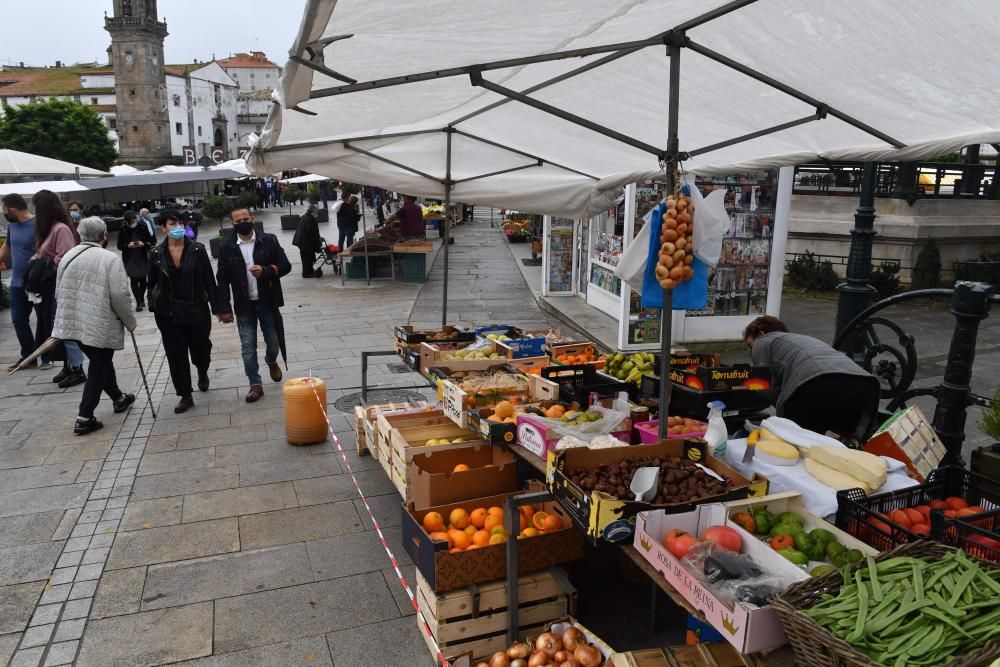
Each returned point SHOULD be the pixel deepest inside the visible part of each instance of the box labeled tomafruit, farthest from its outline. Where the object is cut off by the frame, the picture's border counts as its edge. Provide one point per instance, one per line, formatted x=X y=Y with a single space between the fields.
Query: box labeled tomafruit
x=724 y=378
x=691 y=362
x=593 y=484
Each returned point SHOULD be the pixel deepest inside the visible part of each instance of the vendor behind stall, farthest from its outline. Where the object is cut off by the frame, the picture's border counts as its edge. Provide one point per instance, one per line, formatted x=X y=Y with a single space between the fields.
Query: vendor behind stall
x=818 y=387
x=410 y=218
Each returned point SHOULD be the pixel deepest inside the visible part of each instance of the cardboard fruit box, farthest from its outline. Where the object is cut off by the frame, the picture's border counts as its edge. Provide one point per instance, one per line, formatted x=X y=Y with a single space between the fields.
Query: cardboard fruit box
x=602 y=516
x=744 y=625
x=405 y=417
x=408 y=335
x=573 y=350
x=724 y=378
x=405 y=443
x=366 y=422
x=445 y=571
x=432 y=480
x=700 y=655
x=439 y=354
x=539 y=438
x=458 y=402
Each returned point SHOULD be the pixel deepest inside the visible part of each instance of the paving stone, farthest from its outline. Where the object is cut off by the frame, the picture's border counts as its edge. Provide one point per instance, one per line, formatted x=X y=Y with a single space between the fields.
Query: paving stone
x=105 y=540
x=46 y=614
x=258 y=417
x=62 y=575
x=192 y=459
x=76 y=609
x=68 y=630
x=83 y=589
x=181 y=483
x=28 y=528
x=37 y=636
x=148 y=638
x=17 y=604
x=308 y=652
x=190 y=424
x=395 y=642
x=161 y=443
x=219 y=436
x=266 y=472
x=87 y=572
x=352 y=554
x=31 y=562
x=31 y=657
x=234 y=502
x=162 y=545
x=8 y=644
x=79 y=452
x=62 y=653
x=119 y=593
x=396 y=588
x=89 y=471
x=19 y=458
x=71 y=559
x=264 y=618
x=46 y=475
x=298 y=525
x=387 y=509
x=142 y=514
x=257 y=451
x=201 y=579
x=333 y=488
x=55 y=593
x=33 y=501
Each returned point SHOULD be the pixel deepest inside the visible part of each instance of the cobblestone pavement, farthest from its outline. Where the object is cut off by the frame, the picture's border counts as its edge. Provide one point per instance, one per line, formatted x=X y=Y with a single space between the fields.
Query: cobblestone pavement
x=205 y=539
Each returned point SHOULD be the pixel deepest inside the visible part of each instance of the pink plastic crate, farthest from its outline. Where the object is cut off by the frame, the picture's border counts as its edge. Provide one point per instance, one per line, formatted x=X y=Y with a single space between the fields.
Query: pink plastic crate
x=649 y=432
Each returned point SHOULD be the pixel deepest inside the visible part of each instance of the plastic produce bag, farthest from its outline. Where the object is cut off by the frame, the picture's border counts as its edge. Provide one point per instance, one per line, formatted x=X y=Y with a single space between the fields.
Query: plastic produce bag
x=586 y=431
x=632 y=263
x=651 y=293
x=710 y=224
x=730 y=575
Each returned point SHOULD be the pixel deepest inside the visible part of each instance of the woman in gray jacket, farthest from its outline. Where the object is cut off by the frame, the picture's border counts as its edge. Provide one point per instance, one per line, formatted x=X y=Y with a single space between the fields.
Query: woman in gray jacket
x=819 y=388
x=94 y=308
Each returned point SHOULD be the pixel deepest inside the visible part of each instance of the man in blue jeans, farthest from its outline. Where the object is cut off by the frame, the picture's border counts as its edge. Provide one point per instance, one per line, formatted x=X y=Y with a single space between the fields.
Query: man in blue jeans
x=251 y=266
x=15 y=254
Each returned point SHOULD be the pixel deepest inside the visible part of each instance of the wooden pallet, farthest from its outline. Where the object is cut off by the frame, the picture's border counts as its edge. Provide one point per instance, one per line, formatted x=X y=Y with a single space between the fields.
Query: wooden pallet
x=475 y=619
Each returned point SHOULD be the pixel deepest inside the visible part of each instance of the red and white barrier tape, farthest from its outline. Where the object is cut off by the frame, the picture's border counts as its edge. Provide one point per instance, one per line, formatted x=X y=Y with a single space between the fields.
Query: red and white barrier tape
x=378 y=529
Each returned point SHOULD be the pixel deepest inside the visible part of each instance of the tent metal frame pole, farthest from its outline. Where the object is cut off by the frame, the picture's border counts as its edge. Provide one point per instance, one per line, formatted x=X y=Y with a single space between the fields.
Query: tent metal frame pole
x=667 y=314
x=753 y=135
x=477 y=80
x=714 y=14
x=399 y=165
x=497 y=173
x=520 y=152
x=448 y=184
x=788 y=90
x=327 y=142
x=364 y=234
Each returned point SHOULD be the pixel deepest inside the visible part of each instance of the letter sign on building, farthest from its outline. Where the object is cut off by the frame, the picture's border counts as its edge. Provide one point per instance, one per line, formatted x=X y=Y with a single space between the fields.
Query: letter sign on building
x=190 y=157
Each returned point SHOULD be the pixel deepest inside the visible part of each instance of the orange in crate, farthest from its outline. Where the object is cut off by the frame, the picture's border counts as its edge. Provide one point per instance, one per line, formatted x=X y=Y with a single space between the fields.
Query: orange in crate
x=305 y=423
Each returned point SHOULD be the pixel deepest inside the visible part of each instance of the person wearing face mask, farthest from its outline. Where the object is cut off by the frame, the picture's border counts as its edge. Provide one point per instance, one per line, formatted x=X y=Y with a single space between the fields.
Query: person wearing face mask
x=251 y=267
x=147 y=220
x=75 y=210
x=182 y=290
x=15 y=253
x=94 y=310
x=134 y=243
x=72 y=371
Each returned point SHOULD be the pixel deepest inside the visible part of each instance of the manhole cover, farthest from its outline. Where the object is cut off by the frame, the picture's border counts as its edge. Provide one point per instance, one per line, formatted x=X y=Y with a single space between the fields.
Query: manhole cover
x=527 y=261
x=398 y=368
x=376 y=397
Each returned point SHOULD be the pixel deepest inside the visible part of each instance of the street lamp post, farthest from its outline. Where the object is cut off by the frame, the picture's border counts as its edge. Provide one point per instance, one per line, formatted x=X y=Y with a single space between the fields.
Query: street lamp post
x=856 y=293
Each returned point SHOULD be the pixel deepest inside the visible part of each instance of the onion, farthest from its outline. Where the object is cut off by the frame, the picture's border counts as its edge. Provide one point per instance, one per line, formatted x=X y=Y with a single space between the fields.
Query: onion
x=538 y=659
x=482 y=664
x=549 y=643
x=561 y=657
x=519 y=663
x=570 y=663
x=587 y=655
x=519 y=650
x=571 y=638
x=499 y=659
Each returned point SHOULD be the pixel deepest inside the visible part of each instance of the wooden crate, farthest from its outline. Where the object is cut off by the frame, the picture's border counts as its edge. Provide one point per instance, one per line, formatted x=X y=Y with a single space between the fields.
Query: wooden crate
x=366 y=418
x=360 y=432
x=462 y=620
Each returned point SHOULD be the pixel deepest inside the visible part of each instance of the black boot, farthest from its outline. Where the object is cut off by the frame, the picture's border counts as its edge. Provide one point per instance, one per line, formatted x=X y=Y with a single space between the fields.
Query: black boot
x=124 y=402
x=83 y=427
x=76 y=376
x=62 y=375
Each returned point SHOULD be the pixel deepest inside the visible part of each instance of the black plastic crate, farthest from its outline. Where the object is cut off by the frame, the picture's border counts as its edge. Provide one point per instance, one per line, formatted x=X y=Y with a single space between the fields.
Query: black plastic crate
x=856 y=512
x=576 y=383
x=978 y=534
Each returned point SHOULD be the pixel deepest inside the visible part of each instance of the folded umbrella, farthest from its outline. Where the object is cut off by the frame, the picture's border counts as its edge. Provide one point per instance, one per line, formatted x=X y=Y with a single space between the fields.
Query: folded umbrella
x=279 y=328
x=29 y=360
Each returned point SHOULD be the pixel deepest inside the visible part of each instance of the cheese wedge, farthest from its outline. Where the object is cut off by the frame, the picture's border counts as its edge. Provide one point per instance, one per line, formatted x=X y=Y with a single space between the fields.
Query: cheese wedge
x=776 y=452
x=834 y=478
x=866 y=467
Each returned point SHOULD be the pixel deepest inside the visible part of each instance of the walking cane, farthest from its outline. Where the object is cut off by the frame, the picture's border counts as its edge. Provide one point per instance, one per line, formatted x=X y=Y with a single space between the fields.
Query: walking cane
x=142 y=372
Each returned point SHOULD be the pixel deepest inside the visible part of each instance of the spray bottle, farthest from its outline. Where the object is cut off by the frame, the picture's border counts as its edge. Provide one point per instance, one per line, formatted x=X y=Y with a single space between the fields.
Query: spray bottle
x=716 y=435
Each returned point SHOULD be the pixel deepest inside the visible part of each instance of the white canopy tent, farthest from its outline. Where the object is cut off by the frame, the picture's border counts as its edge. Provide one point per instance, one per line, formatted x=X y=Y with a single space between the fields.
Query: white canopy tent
x=123 y=170
x=306 y=178
x=552 y=105
x=15 y=164
x=32 y=187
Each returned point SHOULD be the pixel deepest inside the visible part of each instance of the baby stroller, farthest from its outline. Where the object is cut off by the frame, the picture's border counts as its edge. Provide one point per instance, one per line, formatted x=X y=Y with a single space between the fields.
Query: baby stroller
x=327 y=257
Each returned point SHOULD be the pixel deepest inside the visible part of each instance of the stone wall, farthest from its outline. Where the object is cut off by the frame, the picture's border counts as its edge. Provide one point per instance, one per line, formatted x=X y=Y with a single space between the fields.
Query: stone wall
x=962 y=229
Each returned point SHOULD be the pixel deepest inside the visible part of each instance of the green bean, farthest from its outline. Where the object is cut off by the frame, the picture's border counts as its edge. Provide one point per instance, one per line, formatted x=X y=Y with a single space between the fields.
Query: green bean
x=961 y=585
x=859 y=624
x=905 y=610
x=873 y=575
x=930 y=640
x=918 y=582
x=934 y=613
x=891 y=564
x=888 y=602
x=987 y=579
x=939 y=572
x=943 y=606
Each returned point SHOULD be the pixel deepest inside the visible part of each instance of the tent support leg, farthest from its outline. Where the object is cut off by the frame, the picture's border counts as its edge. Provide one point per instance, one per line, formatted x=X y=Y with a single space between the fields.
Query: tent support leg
x=666 y=322
x=447 y=227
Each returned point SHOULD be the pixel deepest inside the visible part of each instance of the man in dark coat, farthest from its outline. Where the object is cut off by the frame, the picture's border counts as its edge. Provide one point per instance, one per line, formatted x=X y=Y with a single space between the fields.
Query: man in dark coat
x=307 y=240
x=251 y=268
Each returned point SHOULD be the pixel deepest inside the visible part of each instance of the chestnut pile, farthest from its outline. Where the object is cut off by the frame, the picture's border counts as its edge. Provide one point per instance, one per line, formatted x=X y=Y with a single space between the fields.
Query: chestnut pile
x=680 y=480
x=569 y=649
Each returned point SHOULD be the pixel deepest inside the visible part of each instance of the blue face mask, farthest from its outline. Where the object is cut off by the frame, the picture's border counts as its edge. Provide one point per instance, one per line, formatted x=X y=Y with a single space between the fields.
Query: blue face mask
x=176 y=233
x=75 y=215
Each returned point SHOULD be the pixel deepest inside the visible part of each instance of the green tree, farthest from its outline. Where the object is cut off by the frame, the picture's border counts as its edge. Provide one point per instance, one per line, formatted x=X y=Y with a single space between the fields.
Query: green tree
x=59 y=129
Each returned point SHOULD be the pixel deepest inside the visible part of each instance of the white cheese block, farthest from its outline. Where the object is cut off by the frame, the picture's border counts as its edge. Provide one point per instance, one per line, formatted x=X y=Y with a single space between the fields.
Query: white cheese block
x=835 y=479
x=866 y=467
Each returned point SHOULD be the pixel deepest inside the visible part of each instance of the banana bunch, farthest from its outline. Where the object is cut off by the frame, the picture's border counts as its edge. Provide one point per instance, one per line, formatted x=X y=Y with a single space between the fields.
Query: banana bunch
x=630 y=367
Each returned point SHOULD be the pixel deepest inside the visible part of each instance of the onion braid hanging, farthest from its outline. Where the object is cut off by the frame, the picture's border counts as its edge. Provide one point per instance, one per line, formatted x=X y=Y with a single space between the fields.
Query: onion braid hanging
x=676 y=248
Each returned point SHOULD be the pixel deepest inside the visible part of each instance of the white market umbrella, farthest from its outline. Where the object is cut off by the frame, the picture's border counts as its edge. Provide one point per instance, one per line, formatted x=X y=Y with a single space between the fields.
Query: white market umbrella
x=16 y=163
x=32 y=187
x=307 y=178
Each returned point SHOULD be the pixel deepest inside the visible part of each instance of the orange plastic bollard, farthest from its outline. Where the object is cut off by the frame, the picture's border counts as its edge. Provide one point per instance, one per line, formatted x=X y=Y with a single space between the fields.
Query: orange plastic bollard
x=304 y=420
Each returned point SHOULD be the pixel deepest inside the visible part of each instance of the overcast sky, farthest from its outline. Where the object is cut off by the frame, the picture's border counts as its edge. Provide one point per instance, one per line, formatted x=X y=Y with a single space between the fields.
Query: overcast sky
x=43 y=31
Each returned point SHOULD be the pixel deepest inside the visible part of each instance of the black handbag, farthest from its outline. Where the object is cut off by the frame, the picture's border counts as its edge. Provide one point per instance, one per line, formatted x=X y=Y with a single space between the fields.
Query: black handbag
x=40 y=277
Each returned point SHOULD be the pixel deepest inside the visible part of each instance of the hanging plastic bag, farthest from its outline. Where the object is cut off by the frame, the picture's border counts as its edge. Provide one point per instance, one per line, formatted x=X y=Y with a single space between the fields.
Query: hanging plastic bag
x=632 y=262
x=710 y=223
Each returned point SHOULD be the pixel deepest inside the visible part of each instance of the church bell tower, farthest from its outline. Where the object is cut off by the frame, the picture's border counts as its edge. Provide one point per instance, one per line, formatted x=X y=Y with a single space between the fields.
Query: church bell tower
x=140 y=83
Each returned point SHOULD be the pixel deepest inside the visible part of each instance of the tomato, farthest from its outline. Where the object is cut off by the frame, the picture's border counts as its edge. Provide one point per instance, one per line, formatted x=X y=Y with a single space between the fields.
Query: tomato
x=880 y=525
x=901 y=518
x=982 y=547
x=679 y=542
x=745 y=521
x=915 y=516
x=921 y=529
x=968 y=511
x=724 y=536
x=938 y=505
x=955 y=503
x=950 y=513
x=782 y=542
x=925 y=512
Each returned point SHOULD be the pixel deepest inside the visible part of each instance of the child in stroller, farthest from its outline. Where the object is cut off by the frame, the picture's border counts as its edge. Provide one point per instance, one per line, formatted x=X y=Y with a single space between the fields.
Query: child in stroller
x=327 y=256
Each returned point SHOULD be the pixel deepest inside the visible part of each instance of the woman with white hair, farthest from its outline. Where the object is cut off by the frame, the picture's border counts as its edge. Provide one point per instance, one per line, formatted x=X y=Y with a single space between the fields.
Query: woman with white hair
x=94 y=307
